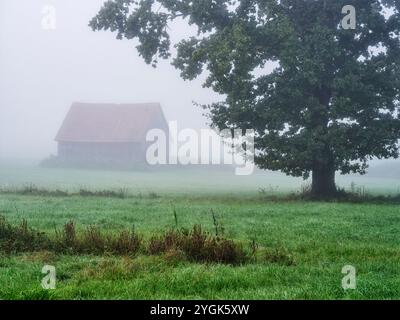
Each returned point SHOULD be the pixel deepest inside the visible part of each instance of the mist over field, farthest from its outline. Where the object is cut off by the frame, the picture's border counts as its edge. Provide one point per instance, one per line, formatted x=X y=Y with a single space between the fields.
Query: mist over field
x=85 y=215
x=44 y=71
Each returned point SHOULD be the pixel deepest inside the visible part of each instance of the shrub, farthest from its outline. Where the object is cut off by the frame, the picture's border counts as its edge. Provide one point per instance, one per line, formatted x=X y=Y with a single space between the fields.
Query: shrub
x=198 y=245
x=194 y=244
x=33 y=190
x=279 y=256
x=170 y=240
x=21 y=238
x=93 y=241
x=224 y=251
x=127 y=243
x=153 y=195
x=119 y=194
x=70 y=239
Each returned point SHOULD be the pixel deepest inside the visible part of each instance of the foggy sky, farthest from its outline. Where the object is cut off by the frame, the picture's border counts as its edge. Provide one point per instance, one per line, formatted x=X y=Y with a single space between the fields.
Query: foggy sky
x=43 y=71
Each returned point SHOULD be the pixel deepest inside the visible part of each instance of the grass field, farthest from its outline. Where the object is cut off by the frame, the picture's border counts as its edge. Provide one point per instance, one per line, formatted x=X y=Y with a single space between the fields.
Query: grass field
x=319 y=237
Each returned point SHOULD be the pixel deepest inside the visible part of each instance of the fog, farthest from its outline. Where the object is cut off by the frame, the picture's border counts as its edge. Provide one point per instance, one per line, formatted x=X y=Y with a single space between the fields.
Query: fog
x=44 y=71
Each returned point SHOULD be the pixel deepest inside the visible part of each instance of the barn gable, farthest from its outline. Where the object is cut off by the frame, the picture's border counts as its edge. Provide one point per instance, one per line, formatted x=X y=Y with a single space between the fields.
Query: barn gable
x=110 y=122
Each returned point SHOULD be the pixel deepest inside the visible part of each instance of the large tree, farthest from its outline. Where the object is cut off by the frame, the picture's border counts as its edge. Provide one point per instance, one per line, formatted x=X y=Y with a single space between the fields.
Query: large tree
x=332 y=102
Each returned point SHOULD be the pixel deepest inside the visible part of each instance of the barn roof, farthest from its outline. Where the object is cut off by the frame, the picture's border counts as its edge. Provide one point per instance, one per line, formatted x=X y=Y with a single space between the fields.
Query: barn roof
x=88 y=122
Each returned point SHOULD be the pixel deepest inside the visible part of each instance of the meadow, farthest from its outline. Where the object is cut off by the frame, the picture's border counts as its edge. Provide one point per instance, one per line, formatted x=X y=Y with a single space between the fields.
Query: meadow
x=312 y=241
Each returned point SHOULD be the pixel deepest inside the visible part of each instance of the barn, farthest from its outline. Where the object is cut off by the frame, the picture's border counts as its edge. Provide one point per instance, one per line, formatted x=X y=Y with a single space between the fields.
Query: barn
x=108 y=134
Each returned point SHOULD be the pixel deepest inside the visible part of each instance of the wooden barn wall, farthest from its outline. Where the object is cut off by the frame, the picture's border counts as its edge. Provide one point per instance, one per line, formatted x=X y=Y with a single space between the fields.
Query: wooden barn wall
x=102 y=152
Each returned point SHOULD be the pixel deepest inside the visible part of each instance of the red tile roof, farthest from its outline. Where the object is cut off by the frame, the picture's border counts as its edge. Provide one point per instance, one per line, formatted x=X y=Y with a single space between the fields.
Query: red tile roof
x=87 y=122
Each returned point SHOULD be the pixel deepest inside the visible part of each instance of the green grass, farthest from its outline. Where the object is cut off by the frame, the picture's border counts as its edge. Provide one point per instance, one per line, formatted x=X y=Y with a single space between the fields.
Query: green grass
x=190 y=182
x=321 y=237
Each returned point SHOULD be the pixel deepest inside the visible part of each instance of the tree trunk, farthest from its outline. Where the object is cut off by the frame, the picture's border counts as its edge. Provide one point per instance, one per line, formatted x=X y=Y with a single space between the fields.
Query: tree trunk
x=323 y=181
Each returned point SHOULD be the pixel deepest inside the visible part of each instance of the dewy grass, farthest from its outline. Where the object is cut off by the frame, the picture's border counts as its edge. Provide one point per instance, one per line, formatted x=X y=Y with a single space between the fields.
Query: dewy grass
x=354 y=195
x=298 y=251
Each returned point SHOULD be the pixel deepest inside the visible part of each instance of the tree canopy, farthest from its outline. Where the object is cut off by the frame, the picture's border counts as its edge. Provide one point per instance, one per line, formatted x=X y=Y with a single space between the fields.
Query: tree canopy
x=332 y=102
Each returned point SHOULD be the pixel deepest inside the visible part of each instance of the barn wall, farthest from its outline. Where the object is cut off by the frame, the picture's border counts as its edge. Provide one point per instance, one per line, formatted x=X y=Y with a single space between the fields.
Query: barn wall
x=123 y=153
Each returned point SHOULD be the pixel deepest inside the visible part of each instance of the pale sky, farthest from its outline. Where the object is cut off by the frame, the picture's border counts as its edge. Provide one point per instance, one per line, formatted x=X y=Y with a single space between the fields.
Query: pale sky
x=43 y=71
